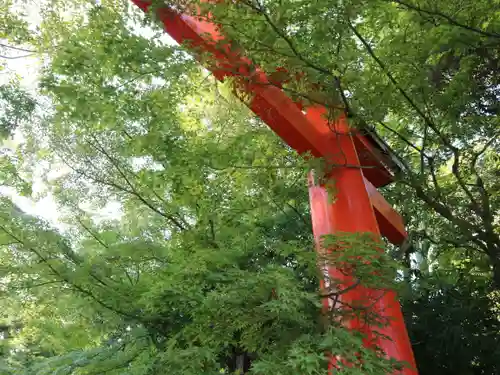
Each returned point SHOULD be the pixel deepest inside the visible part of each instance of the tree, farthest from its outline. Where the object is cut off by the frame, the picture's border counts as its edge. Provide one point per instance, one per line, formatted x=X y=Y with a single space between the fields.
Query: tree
x=206 y=265
x=17 y=105
x=454 y=327
x=419 y=73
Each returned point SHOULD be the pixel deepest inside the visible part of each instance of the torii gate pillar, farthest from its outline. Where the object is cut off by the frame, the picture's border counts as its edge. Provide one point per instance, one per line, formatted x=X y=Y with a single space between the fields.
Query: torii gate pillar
x=352 y=212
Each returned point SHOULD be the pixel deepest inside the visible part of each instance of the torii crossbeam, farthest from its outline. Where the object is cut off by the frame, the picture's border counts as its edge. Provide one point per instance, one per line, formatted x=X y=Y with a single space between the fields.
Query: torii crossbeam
x=358 y=206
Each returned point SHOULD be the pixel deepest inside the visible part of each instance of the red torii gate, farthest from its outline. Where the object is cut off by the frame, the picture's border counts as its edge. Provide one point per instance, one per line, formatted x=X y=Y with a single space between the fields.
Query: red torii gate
x=358 y=207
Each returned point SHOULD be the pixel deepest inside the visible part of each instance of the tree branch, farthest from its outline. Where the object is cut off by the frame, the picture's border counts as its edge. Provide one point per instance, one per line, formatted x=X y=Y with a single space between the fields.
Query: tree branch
x=260 y=10
x=432 y=169
x=92 y=234
x=455 y=169
x=15 y=57
x=466 y=228
x=133 y=190
x=17 y=48
x=45 y=283
x=448 y=18
x=343 y=291
x=405 y=95
x=402 y=137
x=58 y=274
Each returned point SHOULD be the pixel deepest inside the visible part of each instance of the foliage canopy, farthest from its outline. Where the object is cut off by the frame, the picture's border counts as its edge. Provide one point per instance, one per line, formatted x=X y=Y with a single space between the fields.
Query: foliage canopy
x=183 y=240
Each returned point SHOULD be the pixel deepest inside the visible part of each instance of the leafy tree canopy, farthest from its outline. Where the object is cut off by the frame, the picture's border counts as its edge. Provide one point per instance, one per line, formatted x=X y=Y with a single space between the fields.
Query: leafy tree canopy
x=183 y=243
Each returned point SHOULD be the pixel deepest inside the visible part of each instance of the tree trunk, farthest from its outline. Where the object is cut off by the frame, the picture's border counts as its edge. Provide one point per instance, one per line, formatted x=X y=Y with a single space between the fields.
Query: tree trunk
x=495 y=260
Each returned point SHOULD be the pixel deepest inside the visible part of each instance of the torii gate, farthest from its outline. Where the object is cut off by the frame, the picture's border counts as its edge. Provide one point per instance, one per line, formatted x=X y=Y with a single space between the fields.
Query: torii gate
x=358 y=207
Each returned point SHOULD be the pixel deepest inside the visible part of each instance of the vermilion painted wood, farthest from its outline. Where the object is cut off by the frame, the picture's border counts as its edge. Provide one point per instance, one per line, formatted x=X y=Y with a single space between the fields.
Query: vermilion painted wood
x=352 y=211
x=389 y=221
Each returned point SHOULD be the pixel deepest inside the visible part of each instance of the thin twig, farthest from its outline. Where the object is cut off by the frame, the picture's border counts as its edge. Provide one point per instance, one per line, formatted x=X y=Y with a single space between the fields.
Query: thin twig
x=17 y=48
x=103 y=244
x=15 y=57
x=343 y=291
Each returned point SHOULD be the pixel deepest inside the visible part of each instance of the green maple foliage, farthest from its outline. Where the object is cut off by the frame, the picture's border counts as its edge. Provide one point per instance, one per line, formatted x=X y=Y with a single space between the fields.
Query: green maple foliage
x=203 y=263
x=422 y=74
x=206 y=265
